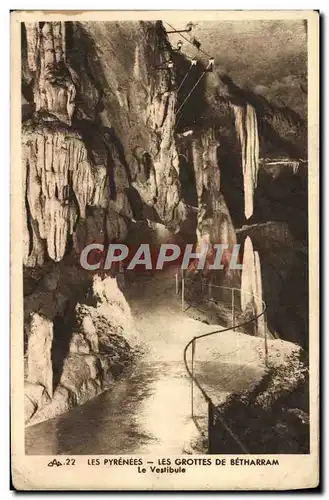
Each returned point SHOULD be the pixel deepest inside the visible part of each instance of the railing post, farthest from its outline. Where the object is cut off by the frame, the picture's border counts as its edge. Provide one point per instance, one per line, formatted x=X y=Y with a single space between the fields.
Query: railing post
x=265 y=341
x=176 y=281
x=210 y=426
x=183 y=293
x=233 y=312
x=210 y=288
x=192 y=381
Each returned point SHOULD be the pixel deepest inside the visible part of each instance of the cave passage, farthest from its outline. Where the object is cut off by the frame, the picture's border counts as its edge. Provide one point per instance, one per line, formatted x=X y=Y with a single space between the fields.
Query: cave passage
x=148 y=412
x=60 y=348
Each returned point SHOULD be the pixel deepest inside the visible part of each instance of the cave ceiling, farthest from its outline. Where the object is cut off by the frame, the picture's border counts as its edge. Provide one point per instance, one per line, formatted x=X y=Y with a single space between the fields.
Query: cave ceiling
x=276 y=71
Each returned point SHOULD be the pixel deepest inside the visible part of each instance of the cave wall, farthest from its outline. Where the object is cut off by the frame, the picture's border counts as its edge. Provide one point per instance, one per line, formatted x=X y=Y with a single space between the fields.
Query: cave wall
x=73 y=357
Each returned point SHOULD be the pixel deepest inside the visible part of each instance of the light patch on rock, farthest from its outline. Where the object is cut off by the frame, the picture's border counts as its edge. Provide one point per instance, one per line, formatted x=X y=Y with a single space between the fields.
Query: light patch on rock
x=35 y=397
x=247 y=130
x=78 y=344
x=40 y=338
x=251 y=285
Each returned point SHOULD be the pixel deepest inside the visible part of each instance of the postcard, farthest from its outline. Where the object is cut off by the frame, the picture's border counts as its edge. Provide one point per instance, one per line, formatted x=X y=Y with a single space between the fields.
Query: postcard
x=165 y=250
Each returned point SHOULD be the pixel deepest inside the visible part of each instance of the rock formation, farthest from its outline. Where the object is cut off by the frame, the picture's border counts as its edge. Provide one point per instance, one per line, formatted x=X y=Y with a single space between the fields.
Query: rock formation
x=98 y=352
x=66 y=172
x=272 y=414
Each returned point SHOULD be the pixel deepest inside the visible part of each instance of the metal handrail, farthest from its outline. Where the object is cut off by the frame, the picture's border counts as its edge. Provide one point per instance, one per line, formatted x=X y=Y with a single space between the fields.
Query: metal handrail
x=213 y=333
x=194 y=378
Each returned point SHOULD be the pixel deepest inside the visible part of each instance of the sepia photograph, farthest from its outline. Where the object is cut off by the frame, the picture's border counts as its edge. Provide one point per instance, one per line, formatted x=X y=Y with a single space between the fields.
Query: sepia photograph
x=162 y=215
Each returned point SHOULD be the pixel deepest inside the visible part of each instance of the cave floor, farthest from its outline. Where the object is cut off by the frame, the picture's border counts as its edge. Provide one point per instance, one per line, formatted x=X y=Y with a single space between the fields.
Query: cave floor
x=149 y=412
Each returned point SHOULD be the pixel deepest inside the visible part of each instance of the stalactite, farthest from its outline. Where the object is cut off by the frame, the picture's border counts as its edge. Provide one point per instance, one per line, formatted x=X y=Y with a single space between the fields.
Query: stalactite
x=83 y=185
x=213 y=216
x=160 y=118
x=275 y=166
x=198 y=167
x=62 y=179
x=32 y=37
x=247 y=130
x=56 y=167
x=206 y=171
x=137 y=70
x=100 y=193
x=34 y=251
x=54 y=89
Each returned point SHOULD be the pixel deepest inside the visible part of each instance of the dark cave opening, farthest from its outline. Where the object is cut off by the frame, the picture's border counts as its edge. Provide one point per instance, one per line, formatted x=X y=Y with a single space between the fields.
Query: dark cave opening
x=231 y=179
x=191 y=87
x=285 y=291
x=283 y=197
x=187 y=181
x=60 y=347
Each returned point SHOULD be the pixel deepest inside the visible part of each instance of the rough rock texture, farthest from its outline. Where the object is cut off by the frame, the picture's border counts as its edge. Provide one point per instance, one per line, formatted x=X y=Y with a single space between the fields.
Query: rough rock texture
x=54 y=87
x=213 y=216
x=101 y=135
x=201 y=179
x=269 y=235
x=35 y=397
x=109 y=310
x=59 y=184
x=260 y=390
x=121 y=101
x=99 y=151
x=284 y=262
x=274 y=414
x=58 y=177
x=82 y=362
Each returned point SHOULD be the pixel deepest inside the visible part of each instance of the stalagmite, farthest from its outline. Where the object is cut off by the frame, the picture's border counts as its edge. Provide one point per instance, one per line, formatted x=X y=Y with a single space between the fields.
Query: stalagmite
x=258 y=297
x=248 y=272
x=251 y=284
x=247 y=130
x=39 y=366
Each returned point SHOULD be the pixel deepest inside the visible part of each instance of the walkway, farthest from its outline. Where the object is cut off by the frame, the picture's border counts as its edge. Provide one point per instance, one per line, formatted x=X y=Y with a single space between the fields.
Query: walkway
x=150 y=411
